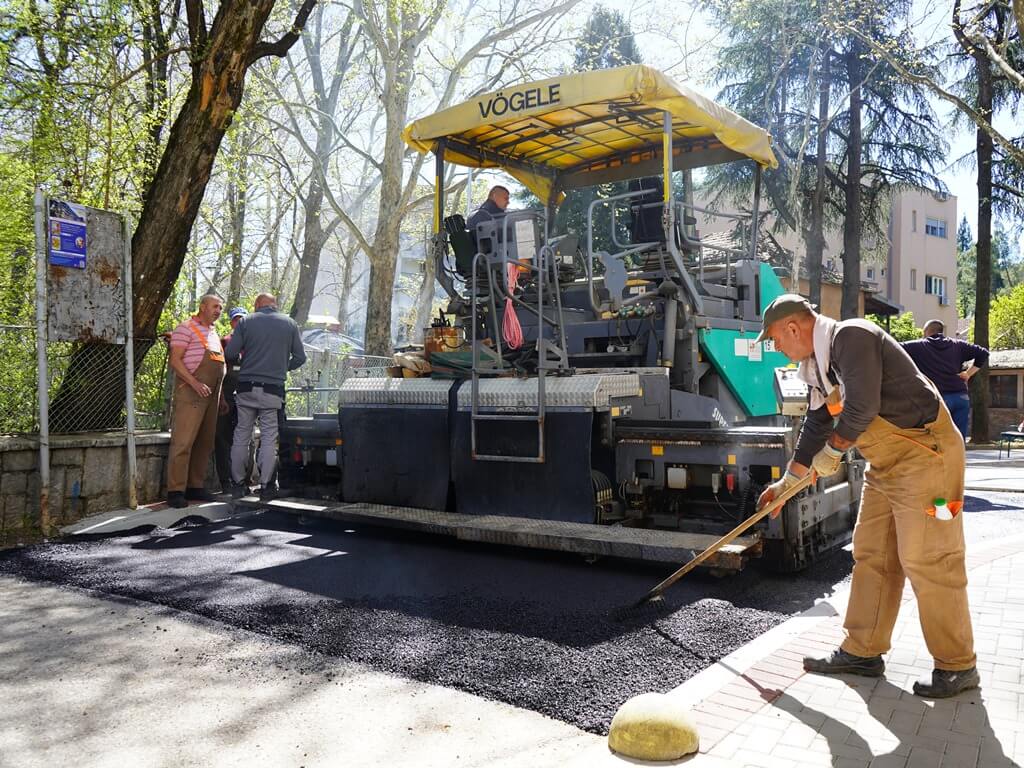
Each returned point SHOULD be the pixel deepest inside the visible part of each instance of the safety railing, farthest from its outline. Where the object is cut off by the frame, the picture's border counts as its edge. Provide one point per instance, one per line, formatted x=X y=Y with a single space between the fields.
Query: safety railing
x=314 y=387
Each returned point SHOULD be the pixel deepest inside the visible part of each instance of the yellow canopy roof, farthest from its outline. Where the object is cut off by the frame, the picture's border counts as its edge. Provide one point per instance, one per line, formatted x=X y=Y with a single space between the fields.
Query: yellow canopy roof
x=587 y=128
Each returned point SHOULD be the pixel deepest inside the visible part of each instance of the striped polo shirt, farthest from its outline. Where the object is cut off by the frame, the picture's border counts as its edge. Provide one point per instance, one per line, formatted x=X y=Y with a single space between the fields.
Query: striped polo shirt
x=184 y=338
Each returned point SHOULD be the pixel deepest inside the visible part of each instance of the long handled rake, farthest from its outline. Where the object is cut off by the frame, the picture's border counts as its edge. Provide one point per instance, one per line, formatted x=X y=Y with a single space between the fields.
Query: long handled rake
x=654 y=600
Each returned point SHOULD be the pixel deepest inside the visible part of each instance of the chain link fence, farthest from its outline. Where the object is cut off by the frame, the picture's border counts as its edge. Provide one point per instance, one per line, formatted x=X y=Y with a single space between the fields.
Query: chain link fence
x=86 y=385
x=314 y=387
x=19 y=406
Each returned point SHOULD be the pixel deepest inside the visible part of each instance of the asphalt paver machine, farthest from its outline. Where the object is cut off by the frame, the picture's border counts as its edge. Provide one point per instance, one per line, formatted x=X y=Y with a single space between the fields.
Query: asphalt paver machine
x=608 y=397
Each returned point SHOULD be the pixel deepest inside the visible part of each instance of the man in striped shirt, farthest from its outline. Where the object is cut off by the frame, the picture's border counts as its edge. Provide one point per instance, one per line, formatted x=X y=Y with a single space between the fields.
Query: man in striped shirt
x=198 y=363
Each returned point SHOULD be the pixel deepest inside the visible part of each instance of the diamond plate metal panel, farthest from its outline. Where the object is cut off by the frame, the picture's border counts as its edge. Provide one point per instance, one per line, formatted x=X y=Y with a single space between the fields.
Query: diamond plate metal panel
x=387 y=391
x=587 y=390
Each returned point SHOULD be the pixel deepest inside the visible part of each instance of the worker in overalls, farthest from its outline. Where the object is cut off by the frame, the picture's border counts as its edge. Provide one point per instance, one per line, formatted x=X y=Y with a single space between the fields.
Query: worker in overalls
x=198 y=363
x=867 y=393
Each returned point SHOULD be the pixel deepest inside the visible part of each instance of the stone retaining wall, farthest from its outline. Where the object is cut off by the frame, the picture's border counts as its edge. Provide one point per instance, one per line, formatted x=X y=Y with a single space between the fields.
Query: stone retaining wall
x=88 y=473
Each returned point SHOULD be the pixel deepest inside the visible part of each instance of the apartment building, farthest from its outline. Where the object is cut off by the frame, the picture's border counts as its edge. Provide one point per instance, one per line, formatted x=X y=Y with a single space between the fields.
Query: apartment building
x=915 y=270
x=920 y=271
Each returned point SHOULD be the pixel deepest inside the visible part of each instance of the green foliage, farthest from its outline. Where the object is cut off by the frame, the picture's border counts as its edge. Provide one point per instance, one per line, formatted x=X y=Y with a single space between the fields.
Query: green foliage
x=1006 y=320
x=1007 y=269
x=964 y=236
x=966 y=281
x=901 y=327
x=607 y=41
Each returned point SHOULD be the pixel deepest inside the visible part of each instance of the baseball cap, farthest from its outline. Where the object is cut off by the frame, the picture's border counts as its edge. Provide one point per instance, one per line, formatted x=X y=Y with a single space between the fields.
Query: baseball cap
x=782 y=306
x=236 y=312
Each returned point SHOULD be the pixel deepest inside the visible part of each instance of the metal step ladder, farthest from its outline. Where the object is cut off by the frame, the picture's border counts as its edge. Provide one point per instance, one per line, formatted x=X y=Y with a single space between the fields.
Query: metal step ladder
x=489 y=362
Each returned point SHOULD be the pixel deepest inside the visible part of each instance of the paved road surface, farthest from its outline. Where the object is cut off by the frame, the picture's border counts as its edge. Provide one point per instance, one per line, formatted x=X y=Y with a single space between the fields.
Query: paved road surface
x=527 y=628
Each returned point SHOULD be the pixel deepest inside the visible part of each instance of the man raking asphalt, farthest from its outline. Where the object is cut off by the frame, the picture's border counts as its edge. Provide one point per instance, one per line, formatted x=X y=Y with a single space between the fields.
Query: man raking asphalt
x=867 y=393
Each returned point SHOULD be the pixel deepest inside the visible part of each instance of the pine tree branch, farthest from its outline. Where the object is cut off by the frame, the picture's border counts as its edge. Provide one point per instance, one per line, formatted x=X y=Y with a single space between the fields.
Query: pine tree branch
x=1017 y=153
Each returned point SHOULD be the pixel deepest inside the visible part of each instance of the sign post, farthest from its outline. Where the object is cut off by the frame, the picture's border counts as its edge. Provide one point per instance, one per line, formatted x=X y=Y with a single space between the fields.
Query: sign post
x=42 y=376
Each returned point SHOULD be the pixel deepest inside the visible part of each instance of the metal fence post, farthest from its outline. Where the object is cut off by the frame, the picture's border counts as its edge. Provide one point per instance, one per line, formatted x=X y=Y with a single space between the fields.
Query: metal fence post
x=129 y=364
x=42 y=386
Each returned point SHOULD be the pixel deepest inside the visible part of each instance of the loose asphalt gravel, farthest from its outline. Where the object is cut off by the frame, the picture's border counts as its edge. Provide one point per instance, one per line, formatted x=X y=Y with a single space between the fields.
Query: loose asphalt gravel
x=528 y=628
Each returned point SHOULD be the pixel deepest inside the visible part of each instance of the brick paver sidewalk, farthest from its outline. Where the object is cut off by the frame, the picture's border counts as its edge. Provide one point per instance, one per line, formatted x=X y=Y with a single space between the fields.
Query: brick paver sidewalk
x=773 y=715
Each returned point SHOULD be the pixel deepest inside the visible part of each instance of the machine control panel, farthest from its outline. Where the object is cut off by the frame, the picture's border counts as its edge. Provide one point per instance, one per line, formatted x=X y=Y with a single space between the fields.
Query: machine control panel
x=791 y=392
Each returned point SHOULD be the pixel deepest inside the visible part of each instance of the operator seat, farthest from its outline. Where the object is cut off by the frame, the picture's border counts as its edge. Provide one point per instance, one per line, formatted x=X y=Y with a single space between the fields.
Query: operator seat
x=462 y=244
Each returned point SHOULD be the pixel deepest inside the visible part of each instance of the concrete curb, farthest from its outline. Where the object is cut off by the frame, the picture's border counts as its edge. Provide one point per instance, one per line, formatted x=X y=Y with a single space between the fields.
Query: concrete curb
x=718 y=675
x=160 y=515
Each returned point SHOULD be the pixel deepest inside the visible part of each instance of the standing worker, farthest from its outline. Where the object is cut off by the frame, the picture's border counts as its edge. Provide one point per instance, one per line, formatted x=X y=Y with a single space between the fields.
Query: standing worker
x=942 y=360
x=270 y=345
x=227 y=417
x=866 y=392
x=197 y=359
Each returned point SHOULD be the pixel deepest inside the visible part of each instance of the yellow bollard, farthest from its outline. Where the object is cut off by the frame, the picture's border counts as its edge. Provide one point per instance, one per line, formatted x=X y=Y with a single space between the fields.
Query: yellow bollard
x=652 y=726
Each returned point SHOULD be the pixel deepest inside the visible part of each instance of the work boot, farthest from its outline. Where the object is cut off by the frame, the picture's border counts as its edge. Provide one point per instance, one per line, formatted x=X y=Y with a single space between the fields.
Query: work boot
x=268 y=492
x=176 y=499
x=944 y=683
x=198 y=494
x=238 y=490
x=839 y=662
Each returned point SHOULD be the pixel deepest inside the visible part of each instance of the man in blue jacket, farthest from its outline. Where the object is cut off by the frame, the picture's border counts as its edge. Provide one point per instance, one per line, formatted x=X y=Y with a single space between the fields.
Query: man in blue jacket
x=942 y=360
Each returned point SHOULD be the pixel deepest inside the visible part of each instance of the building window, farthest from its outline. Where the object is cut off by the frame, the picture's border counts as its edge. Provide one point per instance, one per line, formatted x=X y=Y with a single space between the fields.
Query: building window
x=913 y=279
x=935 y=285
x=1002 y=391
x=935 y=227
x=871 y=273
x=913 y=221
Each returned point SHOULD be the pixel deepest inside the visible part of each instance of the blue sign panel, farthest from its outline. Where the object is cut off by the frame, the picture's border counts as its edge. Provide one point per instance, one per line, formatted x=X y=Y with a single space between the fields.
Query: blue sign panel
x=67 y=234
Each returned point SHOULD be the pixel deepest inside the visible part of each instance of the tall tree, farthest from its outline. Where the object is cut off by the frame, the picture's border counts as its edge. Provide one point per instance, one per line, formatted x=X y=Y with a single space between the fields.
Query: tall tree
x=221 y=54
x=966 y=265
x=852 y=223
x=980 y=35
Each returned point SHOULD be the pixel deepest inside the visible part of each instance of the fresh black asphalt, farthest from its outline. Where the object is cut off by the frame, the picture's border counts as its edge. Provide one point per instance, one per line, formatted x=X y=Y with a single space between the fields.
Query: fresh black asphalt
x=529 y=628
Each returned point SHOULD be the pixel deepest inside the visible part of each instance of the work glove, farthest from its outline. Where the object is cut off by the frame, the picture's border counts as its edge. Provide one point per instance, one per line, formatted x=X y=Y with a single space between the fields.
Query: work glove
x=776 y=489
x=826 y=461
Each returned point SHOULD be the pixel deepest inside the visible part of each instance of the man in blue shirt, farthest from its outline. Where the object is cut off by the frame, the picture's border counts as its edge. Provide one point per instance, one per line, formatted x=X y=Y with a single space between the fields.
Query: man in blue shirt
x=942 y=360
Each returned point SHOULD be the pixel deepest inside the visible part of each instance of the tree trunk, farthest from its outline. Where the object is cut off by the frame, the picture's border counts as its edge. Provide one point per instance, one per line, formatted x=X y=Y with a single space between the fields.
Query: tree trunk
x=852 y=224
x=326 y=94
x=237 y=190
x=312 y=243
x=425 y=299
x=378 y=304
x=816 y=242
x=983 y=276
x=384 y=257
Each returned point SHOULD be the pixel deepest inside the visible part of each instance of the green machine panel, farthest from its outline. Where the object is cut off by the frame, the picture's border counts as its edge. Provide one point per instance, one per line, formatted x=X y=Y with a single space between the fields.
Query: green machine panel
x=750 y=381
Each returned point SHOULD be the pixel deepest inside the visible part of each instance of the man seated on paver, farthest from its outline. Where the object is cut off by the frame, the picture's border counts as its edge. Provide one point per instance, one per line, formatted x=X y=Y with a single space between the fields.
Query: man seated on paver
x=867 y=392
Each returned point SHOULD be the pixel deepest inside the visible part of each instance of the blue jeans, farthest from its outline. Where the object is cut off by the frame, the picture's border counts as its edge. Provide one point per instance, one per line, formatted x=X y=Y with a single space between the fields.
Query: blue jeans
x=959 y=404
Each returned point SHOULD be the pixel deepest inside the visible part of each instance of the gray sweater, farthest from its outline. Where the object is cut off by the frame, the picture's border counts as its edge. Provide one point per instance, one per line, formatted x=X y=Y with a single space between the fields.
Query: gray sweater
x=879 y=379
x=270 y=345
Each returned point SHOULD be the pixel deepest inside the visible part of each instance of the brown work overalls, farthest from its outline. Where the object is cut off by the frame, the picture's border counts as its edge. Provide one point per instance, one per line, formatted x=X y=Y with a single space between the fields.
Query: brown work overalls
x=195 y=422
x=897 y=536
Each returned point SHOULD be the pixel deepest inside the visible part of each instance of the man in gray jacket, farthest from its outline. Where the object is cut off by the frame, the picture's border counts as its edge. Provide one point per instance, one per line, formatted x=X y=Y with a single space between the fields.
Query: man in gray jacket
x=270 y=345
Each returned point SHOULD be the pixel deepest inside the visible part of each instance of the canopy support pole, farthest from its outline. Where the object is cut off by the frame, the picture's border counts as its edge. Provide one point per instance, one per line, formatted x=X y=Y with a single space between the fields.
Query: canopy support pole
x=439 y=188
x=754 y=221
x=668 y=217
